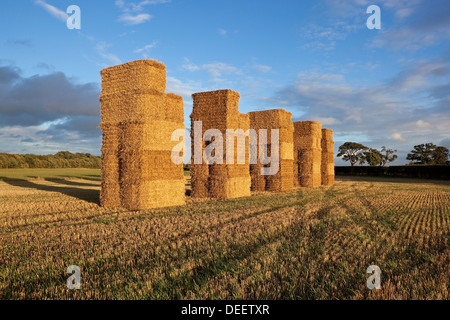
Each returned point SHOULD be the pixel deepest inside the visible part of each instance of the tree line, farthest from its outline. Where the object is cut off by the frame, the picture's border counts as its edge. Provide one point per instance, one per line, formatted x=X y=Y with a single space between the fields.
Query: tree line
x=62 y=159
x=422 y=154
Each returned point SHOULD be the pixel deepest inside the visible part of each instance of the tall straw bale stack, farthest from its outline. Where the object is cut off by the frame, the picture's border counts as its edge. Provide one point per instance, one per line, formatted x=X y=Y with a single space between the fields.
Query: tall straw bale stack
x=138 y=120
x=327 y=165
x=274 y=119
x=219 y=110
x=307 y=154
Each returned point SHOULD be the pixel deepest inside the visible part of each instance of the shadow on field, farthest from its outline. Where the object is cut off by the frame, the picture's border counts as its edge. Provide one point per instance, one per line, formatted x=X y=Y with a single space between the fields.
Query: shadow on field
x=71 y=183
x=89 y=195
x=90 y=177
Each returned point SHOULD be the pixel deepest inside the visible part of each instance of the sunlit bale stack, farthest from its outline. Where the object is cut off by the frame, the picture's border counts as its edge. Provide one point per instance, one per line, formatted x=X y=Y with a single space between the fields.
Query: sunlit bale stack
x=138 y=120
x=110 y=189
x=274 y=119
x=307 y=154
x=219 y=110
x=327 y=157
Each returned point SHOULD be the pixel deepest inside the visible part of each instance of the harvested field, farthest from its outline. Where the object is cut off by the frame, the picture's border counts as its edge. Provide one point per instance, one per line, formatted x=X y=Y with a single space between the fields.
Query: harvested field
x=304 y=244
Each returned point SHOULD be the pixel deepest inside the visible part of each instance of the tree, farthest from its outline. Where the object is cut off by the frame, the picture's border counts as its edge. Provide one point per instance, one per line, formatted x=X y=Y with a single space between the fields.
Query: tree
x=428 y=154
x=440 y=156
x=353 y=152
x=388 y=156
x=373 y=157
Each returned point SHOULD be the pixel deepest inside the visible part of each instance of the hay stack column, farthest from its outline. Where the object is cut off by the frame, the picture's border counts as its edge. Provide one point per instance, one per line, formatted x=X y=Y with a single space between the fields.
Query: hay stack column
x=307 y=154
x=138 y=119
x=219 y=110
x=274 y=119
x=327 y=157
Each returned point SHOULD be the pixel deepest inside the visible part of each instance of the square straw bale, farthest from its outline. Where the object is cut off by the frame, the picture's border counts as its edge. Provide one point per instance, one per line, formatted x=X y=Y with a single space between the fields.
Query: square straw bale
x=274 y=119
x=138 y=119
x=307 y=154
x=327 y=164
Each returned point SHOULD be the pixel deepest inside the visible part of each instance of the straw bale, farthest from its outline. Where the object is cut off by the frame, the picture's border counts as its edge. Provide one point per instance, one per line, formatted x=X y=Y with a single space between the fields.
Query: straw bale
x=199 y=180
x=258 y=181
x=274 y=119
x=219 y=110
x=162 y=193
x=283 y=179
x=174 y=108
x=287 y=151
x=139 y=74
x=109 y=193
x=138 y=120
x=238 y=186
x=148 y=135
x=217 y=188
x=138 y=169
x=134 y=107
x=327 y=164
x=307 y=154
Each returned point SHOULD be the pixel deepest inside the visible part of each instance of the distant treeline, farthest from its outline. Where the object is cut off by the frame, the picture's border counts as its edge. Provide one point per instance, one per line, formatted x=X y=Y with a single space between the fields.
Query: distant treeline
x=62 y=159
x=407 y=171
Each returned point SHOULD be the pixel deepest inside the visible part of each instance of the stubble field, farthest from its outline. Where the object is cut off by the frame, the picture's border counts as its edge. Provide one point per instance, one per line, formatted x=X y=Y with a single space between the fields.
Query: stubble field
x=305 y=244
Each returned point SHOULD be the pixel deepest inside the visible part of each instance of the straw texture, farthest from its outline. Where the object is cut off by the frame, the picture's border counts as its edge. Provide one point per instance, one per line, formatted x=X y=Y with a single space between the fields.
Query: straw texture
x=219 y=110
x=327 y=165
x=307 y=154
x=274 y=119
x=138 y=119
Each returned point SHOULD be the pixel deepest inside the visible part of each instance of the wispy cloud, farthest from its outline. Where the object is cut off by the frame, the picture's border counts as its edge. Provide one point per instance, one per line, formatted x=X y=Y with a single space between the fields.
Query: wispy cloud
x=101 y=48
x=57 y=13
x=222 y=32
x=20 y=42
x=145 y=49
x=423 y=124
x=325 y=37
x=130 y=19
x=215 y=70
x=262 y=68
x=398 y=137
x=132 y=12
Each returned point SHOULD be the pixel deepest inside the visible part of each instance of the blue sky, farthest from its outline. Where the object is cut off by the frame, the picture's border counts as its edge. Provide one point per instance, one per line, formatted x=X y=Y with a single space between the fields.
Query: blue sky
x=316 y=59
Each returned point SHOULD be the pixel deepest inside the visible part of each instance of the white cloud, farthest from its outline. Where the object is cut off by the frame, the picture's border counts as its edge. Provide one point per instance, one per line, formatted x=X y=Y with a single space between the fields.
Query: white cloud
x=222 y=32
x=57 y=13
x=262 y=68
x=133 y=11
x=328 y=121
x=101 y=48
x=134 y=19
x=422 y=124
x=145 y=49
x=219 y=68
x=215 y=70
x=184 y=89
x=404 y=13
x=398 y=137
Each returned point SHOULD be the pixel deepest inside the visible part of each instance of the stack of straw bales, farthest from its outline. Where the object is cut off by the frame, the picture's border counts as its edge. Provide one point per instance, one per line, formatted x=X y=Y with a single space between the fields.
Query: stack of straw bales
x=274 y=119
x=219 y=110
x=307 y=154
x=138 y=119
x=327 y=157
